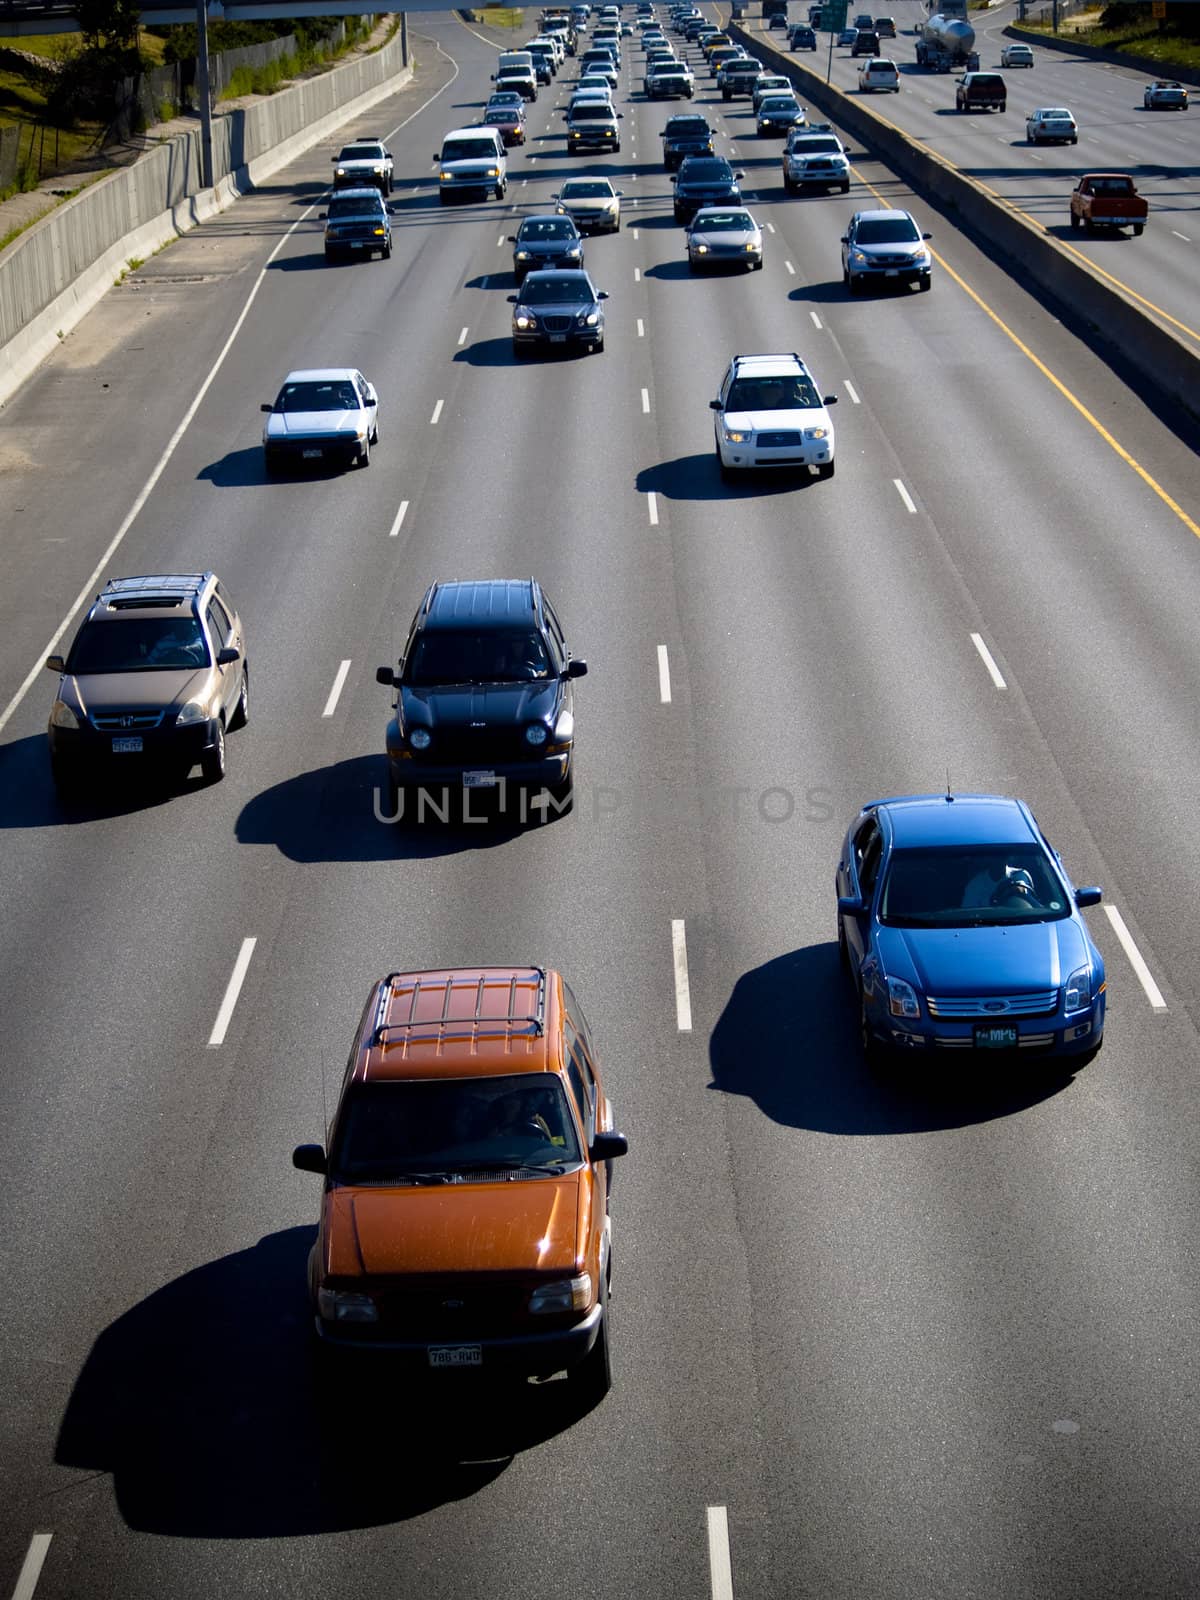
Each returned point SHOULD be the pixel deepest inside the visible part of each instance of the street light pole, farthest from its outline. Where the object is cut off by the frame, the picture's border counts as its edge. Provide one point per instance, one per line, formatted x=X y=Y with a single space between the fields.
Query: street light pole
x=205 y=92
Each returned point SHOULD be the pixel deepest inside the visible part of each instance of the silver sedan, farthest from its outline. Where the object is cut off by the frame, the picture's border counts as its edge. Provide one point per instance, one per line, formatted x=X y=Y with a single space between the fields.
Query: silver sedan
x=321 y=416
x=724 y=236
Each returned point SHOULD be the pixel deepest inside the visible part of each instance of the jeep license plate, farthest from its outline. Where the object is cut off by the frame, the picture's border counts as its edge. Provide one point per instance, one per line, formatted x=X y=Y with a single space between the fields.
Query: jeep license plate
x=456 y=1355
x=997 y=1037
x=127 y=747
x=479 y=780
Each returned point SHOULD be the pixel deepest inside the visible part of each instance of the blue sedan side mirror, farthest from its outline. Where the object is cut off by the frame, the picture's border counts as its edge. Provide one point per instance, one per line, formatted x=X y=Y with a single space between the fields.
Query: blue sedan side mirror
x=1088 y=897
x=849 y=905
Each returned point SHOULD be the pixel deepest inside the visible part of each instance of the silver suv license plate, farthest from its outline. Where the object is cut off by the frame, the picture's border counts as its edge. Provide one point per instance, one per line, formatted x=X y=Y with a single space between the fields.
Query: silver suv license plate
x=456 y=1355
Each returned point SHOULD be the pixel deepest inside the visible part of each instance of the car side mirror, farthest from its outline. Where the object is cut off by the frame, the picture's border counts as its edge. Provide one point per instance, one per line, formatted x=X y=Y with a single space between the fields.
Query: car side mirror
x=512 y=238
x=387 y=677
x=674 y=177
x=739 y=175
x=1088 y=897
x=620 y=194
x=601 y=294
x=714 y=405
x=334 y=159
x=829 y=399
x=265 y=407
x=605 y=1147
x=391 y=210
x=55 y=664
x=227 y=656
x=371 y=400
x=310 y=1158
x=845 y=239
x=849 y=905
x=576 y=668
x=512 y=299
x=436 y=159
x=321 y=215
x=927 y=236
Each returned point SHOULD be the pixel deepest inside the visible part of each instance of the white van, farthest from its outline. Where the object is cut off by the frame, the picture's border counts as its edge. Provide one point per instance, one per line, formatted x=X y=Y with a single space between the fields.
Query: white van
x=472 y=159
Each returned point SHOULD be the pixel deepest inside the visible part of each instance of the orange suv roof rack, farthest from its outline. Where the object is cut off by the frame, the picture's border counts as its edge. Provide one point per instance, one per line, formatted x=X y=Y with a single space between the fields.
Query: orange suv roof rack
x=520 y=1015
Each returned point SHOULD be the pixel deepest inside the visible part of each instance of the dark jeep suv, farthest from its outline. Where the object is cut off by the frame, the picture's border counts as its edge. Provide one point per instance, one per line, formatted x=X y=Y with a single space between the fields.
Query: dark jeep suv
x=155 y=676
x=484 y=700
x=683 y=136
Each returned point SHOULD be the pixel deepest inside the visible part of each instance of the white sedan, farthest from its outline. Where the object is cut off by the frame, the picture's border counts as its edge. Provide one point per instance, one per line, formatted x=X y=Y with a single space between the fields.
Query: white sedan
x=321 y=415
x=1051 y=124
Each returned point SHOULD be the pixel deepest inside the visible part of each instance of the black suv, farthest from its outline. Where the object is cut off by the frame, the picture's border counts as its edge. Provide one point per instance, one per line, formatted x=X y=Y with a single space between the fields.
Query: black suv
x=683 y=136
x=484 y=699
x=705 y=181
x=155 y=676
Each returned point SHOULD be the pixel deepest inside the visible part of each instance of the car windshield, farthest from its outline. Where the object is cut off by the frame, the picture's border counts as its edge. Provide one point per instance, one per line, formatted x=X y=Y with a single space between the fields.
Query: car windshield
x=971 y=886
x=500 y=116
x=810 y=147
x=337 y=394
x=591 y=111
x=361 y=152
x=587 y=189
x=468 y=150
x=547 y=228
x=787 y=392
x=688 y=127
x=723 y=222
x=1051 y=112
x=779 y=102
x=886 y=230
x=485 y=655
x=707 y=172
x=434 y=1129
x=139 y=644
x=343 y=205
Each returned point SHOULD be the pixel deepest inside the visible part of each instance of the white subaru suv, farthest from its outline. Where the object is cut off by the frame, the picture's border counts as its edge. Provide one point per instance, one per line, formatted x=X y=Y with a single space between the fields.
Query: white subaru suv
x=770 y=413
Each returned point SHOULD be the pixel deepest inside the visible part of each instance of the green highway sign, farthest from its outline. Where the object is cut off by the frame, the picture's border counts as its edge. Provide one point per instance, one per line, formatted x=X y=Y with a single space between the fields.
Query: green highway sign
x=833 y=15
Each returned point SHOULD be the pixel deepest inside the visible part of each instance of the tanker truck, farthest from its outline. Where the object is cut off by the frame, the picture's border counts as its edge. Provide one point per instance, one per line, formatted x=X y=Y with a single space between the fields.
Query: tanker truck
x=946 y=43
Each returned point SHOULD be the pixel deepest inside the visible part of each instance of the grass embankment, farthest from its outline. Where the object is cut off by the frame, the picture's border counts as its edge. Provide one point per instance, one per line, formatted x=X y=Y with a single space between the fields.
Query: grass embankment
x=1136 y=38
x=501 y=16
x=297 y=63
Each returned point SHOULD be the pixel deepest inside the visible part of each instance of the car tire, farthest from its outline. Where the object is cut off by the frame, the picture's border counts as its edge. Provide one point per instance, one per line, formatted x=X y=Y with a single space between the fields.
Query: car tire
x=386 y=253
x=272 y=463
x=363 y=457
x=926 y=283
x=591 y=1379
x=1075 y=140
x=1075 y=220
x=241 y=711
x=65 y=780
x=853 y=284
x=846 y=187
x=1137 y=230
x=826 y=469
x=875 y=1055
x=212 y=762
x=1003 y=106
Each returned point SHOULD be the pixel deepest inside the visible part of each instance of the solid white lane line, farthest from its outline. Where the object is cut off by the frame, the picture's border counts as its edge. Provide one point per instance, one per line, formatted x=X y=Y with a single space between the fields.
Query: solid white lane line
x=234 y=988
x=791 y=269
x=851 y=391
x=637 y=274
x=645 y=401
x=641 y=329
x=338 y=682
x=31 y=1567
x=1182 y=236
x=1153 y=992
x=904 y=495
x=664 y=676
x=652 y=502
x=994 y=672
x=683 y=992
x=462 y=338
x=816 y=321
x=437 y=411
x=399 y=522
x=720 y=1571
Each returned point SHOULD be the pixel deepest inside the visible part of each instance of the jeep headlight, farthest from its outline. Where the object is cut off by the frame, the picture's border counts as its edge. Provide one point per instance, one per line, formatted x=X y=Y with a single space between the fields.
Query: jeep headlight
x=336 y=1305
x=902 y=999
x=522 y=255
x=535 y=734
x=420 y=738
x=447 y=177
x=568 y=1294
x=193 y=711
x=1078 y=994
x=341 y=172
x=493 y=172
x=379 y=232
x=61 y=715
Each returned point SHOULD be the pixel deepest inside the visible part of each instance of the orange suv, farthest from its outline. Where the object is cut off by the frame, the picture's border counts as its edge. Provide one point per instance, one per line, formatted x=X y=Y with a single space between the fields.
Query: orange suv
x=464 y=1221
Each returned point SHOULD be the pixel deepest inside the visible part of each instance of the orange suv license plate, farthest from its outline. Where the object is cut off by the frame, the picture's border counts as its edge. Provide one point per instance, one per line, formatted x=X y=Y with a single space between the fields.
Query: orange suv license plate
x=456 y=1355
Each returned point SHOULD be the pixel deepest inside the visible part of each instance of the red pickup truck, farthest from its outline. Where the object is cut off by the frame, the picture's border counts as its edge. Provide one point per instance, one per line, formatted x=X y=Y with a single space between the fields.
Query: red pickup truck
x=1108 y=200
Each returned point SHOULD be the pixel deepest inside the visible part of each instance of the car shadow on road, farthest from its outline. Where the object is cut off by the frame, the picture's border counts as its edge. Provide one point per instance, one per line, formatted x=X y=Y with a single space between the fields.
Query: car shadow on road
x=672 y=271
x=202 y=1405
x=699 y=478
x=28 y=798
x=788 y=1040
x=340 y=812
x=489 y=353
x=831 y=293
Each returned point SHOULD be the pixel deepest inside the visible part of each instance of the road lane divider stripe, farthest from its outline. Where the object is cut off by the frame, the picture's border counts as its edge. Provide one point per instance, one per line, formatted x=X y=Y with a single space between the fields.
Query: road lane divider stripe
x=399 y=522
x=462 y=338
x=683 y=988
x=232 y=990
x=1136 y=961
x=994 y=672
x=641 y=330
x=851 y=391
x=652 y=506
x=636 y=234
x=31 y=1567
x=790 y=269
x=500 y=242
x=720 y=1570
x=437 y=411
x=905 y=496
x=645 y=401
x=1182 y=236
x=338 y=685
x=637 y=274
x=664 y=676
x=816 y=321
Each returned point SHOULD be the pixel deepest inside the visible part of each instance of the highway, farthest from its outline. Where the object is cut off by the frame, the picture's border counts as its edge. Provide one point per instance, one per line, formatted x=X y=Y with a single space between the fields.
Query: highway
x=1161 y=149
x=871 y=1340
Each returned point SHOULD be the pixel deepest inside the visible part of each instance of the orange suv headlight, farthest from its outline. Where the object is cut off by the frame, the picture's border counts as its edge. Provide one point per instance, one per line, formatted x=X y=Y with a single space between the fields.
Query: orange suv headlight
x=336 y=1305
x=568 y=1294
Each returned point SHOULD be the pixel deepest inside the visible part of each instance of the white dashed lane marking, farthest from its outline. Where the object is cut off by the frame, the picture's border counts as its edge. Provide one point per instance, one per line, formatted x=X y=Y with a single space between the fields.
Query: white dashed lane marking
x=664 y=676
x=335 y=692
x=31 y=1567
x=720 y=1569
x=437 y=411
x=652 y=505
x=645 y=401
x=986 y=657
x=399 y=522
x=816 y=321
x=462 y=338
x=683 y=992
x=233 y=989
x=641 y=331
x=852 y=392
x=904 y=495
x=791 y=269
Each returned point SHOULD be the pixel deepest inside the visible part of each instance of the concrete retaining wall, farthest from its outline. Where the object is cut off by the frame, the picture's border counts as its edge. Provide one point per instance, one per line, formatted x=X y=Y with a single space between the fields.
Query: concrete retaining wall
x=53 y=274
x=1135 y=334
x=1072 y=45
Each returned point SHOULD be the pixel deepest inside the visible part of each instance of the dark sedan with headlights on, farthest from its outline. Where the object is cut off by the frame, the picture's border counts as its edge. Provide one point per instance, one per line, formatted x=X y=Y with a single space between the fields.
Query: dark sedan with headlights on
x=542 y=242
x=557 y=307
x=704 y=181
x=724 y=236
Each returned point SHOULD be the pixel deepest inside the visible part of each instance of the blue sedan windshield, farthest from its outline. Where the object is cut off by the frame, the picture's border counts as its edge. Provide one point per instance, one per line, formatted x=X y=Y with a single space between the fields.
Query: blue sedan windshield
x=971 y=886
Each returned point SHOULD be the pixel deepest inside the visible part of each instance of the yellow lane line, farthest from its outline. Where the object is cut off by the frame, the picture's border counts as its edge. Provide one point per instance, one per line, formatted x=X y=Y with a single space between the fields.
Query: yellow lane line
x=1112 y=442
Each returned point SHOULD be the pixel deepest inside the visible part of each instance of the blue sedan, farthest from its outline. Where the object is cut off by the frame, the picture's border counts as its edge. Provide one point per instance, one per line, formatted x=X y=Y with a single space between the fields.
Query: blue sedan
x=962 y=932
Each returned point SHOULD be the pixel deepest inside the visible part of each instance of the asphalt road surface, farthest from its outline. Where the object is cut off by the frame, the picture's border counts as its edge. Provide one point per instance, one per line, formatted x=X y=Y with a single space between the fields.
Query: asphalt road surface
x=872 y=1340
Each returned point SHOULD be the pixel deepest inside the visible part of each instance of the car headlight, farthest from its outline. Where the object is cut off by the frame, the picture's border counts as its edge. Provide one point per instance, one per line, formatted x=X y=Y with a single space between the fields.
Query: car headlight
x=560 y=211
x=588 y=319
x=816 y=433
x=379 y=171
x=447 y=177
x=341 y=172
x=194 y=711
x=420 y=738
x=493 y=172
x=1078 y=994
x=572 y=254
x=733 y=436
x=902 y=999
x=535 y=734
x=61 y=715
x=335 y=1305
x=860 y=256
x=524 y=320
x=522 y=255
x=568 y=1294
x=752 y=246
x=921 y=258
x=379 y=232
x=701 y=249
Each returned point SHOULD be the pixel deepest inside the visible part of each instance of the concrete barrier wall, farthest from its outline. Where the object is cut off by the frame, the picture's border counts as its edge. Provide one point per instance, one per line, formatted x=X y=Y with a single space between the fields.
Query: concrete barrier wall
x=1134 y=333
x=54 y=273
x=1072 y=45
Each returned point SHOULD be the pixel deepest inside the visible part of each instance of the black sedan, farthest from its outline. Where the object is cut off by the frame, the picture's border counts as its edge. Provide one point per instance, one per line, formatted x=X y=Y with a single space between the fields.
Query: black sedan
x=705 y=181
x=550 y=241
x=557 y=306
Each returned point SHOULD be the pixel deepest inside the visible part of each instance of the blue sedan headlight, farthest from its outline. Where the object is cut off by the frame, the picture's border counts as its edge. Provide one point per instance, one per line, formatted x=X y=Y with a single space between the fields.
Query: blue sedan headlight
x=902 y=999
x=1078 y=993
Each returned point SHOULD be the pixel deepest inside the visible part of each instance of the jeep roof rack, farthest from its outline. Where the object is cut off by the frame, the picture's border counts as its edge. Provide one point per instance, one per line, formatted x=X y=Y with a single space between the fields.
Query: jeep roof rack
x=533 y=1021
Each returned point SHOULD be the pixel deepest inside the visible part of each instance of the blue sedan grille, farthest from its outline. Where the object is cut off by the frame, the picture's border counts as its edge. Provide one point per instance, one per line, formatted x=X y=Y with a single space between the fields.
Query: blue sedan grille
x=995 y=1007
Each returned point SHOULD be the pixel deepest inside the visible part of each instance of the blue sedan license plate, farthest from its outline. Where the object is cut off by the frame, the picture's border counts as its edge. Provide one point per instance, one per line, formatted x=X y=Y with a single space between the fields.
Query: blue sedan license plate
x=996 y=1038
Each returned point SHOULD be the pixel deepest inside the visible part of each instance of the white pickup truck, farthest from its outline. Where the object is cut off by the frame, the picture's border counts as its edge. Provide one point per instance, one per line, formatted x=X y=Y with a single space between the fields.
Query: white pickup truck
x=364 y=164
